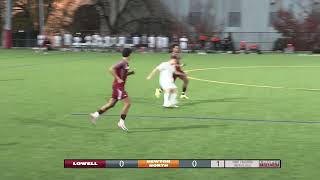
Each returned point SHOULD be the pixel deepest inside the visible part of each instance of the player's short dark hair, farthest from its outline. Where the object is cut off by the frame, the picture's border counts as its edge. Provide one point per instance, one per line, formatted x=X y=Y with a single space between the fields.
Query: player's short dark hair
x=126 y=52
x=174 y=45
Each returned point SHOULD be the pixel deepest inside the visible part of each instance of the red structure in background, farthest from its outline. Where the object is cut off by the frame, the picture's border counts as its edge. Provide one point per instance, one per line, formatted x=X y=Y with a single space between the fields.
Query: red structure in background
x=7 y=33
x=7 y=39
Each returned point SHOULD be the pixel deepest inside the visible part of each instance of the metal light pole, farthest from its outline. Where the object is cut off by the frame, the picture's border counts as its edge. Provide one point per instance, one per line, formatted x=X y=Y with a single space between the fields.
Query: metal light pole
x=41 y=17
x=7 y=32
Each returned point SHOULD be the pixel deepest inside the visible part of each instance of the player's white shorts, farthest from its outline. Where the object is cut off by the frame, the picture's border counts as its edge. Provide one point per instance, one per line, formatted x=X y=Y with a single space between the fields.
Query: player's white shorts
x=167 y=85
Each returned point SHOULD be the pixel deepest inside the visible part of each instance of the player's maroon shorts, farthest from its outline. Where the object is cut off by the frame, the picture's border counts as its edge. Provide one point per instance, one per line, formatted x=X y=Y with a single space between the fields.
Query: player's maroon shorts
x=119 y=92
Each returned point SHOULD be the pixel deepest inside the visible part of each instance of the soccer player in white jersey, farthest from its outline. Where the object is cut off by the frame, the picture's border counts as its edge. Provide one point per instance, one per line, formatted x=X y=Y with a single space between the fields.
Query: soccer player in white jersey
x=151 y=42
x=95 y=39
x=99 y=41
x=122 y=40
x=76 y=40
x=107 y=41
x=167 y=70
x=165 y=42
x=183 y=43
x=144 y=40
x=113 y=41
x=88 y=40
x=57 y=41
x=40 y=39
x=67 y=39
x=159 y=42
x=136 y=41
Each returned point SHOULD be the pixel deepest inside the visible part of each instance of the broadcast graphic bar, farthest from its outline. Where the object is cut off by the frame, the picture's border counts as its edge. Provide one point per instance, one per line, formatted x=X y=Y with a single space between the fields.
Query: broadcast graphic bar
x=178 y=163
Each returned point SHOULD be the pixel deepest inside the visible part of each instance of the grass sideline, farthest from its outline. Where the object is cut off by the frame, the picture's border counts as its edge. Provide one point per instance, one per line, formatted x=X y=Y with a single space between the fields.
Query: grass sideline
x=39 y=94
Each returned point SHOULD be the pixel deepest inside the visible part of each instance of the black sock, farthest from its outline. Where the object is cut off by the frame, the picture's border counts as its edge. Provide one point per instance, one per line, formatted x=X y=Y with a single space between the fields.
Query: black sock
x=184 y=89
x=123 y=116
x=101 y=111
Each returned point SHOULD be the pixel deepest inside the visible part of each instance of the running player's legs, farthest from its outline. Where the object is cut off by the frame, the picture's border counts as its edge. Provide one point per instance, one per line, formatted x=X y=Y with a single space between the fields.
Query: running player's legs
x=185 y=82
x=173 y=97
x=121 y=94
x=118 y=93
x=170 y=94
x=124 y=112
x=112 y=102
x=166 y=97
x=126 y=106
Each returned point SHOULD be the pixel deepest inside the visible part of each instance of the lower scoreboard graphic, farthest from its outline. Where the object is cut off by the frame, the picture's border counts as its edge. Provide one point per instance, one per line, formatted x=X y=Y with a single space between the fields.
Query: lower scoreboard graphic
x=179 y=163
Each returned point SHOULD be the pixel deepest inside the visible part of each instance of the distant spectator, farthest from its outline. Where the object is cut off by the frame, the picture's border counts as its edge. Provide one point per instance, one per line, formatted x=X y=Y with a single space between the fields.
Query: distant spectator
x=95 y=39
x=47 y=44
x=121 y=40
x=216 y=42
x=136 y=41
x=144 y=40
x=113 y=41
x=289 y=49
x=159 y=42
x=243 y=46
x=184 y=43
x=40 y=39
x=88 y=40
x=67 y=39
x=227 y=43
x=57 y=41
x=203 y=39
x=175 y=39
x=255 y=48
x=77 y=41
x=151 y=42
x=165 y=42
x=107 y=41
x=100 y=41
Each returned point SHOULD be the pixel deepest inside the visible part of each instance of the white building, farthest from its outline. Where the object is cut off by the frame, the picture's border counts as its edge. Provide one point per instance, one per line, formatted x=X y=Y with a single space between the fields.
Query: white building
x=248 y=20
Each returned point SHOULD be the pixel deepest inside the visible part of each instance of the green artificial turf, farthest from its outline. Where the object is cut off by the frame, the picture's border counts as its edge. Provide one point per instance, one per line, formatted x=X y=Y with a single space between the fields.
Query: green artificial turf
x=40 y=93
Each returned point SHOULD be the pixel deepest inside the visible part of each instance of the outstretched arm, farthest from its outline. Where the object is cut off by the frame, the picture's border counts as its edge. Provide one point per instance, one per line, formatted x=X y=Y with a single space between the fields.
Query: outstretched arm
x=130 y=73
x=152 y=73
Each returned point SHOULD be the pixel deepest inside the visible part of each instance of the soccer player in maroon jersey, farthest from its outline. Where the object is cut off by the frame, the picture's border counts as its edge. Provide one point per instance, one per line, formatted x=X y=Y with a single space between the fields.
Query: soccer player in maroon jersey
x=182 y=75
x=120 y=72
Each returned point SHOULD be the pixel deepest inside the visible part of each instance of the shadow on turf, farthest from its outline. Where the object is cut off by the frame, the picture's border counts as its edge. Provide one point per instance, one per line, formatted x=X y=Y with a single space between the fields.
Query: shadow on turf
x=5 y=80
x=196 y=102
x=48 y=123
x=9 y=144
x=161 y=129
x=309 y=90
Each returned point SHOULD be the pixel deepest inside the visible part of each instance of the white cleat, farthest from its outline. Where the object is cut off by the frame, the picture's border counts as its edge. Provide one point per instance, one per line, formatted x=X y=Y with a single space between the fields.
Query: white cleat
x=183 y=96
x=122 y=126
x=93 y=117
x=158 y=93
x=171 y=106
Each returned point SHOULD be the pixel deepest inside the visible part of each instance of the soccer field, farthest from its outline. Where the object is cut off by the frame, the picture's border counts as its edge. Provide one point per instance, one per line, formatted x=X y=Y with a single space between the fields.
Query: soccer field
x=240 y=107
